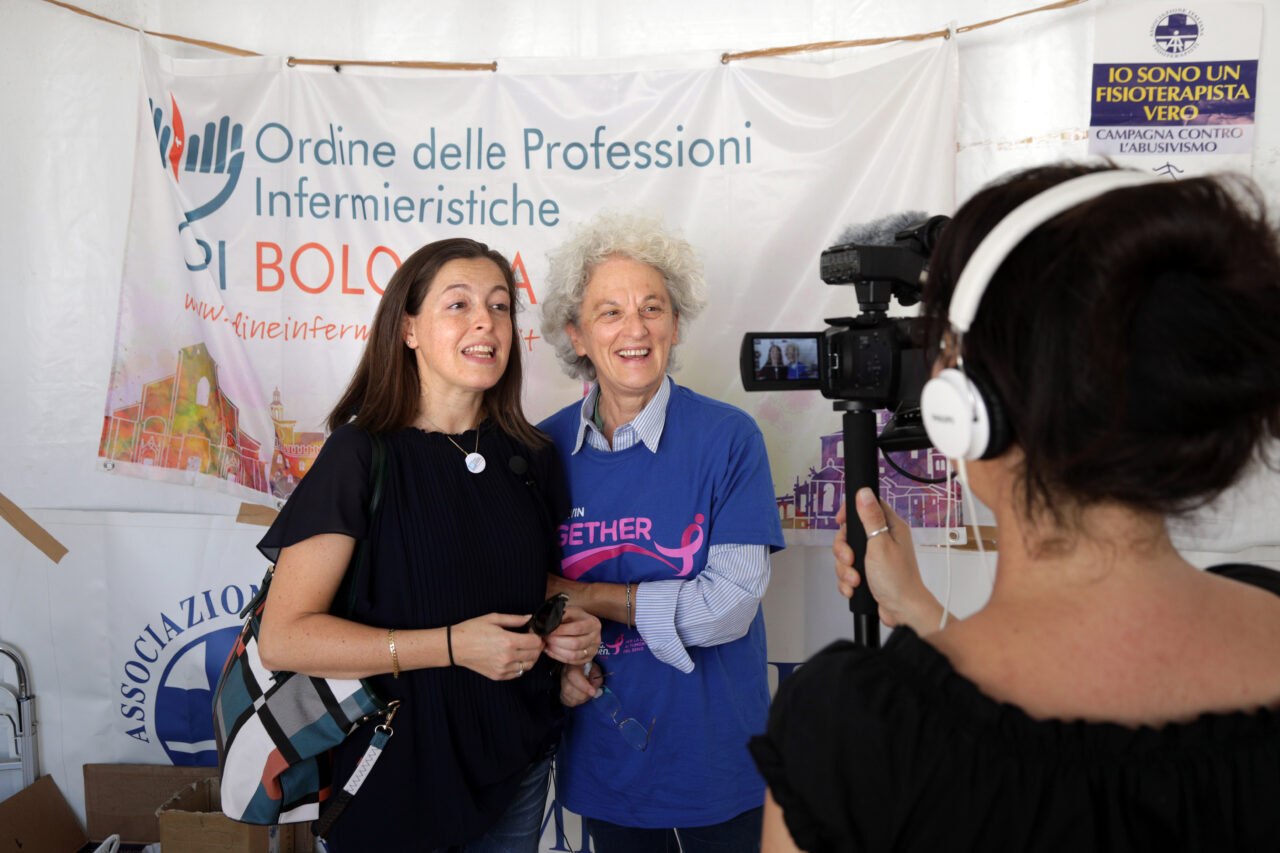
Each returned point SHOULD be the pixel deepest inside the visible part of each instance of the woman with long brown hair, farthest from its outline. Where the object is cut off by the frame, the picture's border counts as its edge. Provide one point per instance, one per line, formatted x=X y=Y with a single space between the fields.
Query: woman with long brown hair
x=457 y=552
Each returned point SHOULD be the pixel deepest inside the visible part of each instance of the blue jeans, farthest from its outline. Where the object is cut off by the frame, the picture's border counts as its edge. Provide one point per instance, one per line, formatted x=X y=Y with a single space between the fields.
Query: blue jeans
x=519 y=828
x=740 y=834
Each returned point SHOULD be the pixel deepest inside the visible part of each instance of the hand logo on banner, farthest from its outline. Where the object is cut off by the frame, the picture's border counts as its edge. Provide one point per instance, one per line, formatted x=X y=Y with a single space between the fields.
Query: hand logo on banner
x=211 y=158
x=219 y=140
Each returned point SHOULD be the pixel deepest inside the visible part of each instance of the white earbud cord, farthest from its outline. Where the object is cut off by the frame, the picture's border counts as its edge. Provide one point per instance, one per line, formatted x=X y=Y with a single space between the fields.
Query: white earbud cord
x=972 y=510
x=973 y=407
x=951 y=500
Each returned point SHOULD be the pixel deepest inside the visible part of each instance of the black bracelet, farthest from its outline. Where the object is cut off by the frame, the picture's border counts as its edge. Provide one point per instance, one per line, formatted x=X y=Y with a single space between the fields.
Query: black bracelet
x=448 y=638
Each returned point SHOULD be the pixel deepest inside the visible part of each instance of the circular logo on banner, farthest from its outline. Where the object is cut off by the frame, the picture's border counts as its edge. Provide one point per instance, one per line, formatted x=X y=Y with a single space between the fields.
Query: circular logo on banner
x=1176 y=33
x=174 y=663
x=184 y=699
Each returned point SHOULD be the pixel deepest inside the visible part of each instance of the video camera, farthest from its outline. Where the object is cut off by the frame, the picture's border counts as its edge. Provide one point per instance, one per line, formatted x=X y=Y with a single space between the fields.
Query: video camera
x=865 y=362
x=870 y=358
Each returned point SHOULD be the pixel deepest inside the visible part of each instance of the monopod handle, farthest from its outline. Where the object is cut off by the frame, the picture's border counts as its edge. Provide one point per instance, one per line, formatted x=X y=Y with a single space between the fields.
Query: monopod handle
x=860 y=469
x=863 y=605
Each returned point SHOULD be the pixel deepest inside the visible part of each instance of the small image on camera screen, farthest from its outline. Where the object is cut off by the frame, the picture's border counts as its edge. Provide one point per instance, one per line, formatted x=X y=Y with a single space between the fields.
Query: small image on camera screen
x=785 y=358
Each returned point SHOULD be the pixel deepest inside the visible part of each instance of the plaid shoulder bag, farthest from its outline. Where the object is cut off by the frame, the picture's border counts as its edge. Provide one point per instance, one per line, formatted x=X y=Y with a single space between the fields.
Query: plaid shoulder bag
x=275 y=730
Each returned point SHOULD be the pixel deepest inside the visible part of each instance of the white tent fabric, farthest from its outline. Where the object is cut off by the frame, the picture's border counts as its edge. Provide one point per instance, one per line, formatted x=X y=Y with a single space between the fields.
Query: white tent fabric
x=69 y=80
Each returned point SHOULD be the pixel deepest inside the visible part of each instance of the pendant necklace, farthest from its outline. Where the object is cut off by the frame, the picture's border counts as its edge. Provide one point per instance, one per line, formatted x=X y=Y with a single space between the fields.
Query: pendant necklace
x=474 y=461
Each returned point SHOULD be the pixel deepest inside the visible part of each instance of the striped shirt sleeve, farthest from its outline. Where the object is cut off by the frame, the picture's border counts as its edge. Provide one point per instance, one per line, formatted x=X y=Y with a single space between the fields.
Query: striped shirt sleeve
x=715 y=607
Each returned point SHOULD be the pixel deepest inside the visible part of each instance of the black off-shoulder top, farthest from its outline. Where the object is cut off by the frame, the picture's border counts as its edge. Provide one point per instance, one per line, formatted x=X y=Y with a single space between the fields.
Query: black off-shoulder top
x=892 y=749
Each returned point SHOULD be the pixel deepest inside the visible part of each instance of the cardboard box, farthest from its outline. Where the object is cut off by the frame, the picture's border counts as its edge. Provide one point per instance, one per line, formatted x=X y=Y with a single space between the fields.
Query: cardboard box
x=39 y=818
x=122 y=798
x=192 y=822
x=127 y=798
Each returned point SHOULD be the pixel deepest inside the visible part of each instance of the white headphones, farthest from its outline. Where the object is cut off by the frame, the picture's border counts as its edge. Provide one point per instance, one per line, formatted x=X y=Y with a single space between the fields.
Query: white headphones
x=964 y=418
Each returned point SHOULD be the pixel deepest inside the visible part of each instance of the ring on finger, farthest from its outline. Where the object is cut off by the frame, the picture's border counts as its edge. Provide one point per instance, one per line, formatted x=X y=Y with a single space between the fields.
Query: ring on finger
x=585 y=651
x=521 y=665
x=873 y=534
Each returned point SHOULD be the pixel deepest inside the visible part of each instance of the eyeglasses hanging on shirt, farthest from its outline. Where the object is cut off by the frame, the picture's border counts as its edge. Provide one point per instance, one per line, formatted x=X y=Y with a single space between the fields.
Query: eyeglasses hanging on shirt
x=632 y=730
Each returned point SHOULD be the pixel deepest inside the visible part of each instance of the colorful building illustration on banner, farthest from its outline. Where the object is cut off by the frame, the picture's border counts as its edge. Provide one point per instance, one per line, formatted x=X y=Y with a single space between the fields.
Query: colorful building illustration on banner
x=183 y=421
x=293 y=453
x=813 y=502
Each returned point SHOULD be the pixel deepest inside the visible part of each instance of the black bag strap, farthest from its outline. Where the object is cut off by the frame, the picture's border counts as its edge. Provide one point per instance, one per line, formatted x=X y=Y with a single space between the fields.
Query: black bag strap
x=334 y=809
x=377 y=474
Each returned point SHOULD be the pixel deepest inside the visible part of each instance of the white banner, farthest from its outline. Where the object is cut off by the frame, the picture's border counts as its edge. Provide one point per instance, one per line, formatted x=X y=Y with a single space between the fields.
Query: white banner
x=271 y=204
x=125 y=637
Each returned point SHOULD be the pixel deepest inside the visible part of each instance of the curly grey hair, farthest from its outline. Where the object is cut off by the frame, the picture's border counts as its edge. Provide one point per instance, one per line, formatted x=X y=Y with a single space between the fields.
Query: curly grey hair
x=637 y=236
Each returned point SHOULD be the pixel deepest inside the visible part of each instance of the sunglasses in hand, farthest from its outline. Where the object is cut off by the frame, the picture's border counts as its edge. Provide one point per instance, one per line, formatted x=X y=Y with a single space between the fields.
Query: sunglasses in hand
x=546 y=618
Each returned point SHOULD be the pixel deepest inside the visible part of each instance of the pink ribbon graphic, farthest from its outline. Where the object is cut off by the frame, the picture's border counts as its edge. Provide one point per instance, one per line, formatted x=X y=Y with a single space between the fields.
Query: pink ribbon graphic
x=688 y=546
x=579 y=564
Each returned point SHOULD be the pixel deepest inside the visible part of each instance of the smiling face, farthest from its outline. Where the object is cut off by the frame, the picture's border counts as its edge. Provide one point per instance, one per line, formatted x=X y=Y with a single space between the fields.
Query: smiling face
x=461 y=335
x=793 y=353
x=775 y=356
x=626 y=327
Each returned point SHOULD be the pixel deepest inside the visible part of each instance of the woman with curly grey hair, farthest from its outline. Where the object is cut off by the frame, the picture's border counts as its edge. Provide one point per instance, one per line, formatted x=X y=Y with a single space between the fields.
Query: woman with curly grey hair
x=668 y=542
x=637 y=238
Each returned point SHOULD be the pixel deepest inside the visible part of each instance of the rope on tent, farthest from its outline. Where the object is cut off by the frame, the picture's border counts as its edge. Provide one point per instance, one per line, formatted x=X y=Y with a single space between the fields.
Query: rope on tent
x=725 y=58
x=399 y=63
x=212 y=45
x=293 y=60
x=1062 y=4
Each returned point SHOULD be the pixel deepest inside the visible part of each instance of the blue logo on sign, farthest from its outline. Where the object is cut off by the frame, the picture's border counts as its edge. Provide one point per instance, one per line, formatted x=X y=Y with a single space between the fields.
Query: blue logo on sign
x=1176 y=33
x=216 y=152
x=184 y=701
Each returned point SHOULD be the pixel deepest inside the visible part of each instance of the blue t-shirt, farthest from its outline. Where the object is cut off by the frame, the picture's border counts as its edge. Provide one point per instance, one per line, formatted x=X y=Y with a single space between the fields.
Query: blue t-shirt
x=643 y=516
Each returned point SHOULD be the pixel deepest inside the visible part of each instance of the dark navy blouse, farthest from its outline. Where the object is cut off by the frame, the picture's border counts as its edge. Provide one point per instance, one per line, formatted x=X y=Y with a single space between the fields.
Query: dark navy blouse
x=445 y=545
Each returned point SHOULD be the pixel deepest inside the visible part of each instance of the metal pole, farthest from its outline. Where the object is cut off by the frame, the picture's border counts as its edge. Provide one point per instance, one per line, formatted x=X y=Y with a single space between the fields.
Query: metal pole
x=26 y=717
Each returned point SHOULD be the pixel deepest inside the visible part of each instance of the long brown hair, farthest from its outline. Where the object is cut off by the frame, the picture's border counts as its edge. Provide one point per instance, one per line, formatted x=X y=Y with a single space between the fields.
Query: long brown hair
x=383 y=394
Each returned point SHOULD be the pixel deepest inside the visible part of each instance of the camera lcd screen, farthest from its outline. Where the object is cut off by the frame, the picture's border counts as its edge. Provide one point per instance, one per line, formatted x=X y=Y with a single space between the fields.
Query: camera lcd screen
x=780 y=361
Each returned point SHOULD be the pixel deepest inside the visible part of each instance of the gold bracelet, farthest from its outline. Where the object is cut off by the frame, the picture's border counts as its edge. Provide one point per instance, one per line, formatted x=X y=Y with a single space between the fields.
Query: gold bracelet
x=629 y=623
x=395 y=658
